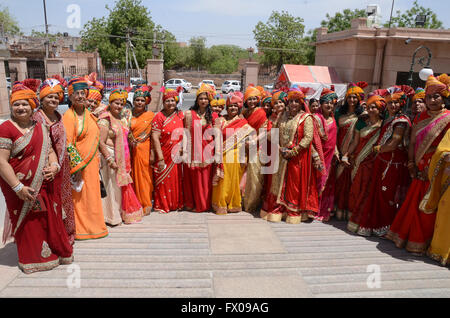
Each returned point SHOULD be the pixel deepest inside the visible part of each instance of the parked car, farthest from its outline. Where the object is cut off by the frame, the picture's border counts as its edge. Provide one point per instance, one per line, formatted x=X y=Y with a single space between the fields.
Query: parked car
x=268 y=87
x=231 y=86
x=136 y=81
x=175 y=82
x=209 y=82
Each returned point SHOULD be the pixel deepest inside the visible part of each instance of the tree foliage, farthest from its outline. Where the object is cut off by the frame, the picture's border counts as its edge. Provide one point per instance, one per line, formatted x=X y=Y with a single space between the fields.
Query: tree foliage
x=8 y=25
x=342 y=21
x=281 y=40
x=408 y=19
x=108 y=34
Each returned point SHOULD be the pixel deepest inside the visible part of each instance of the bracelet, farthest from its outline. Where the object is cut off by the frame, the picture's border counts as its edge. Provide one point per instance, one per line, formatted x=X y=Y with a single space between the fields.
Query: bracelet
x=344 y=158
x=58 y=167
x=161 y=160
x=18 y=187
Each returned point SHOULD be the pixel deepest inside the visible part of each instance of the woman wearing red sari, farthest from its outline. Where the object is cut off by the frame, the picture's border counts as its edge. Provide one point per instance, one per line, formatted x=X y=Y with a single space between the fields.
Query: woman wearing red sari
x=328 y=99
x=257 y=119
x=28 y=166
x=363 y=157
x=301 y=150
x=167 y=136
x=51 y=94
x=139 y=140
x=346 y=117
x=390 y=178
x=197 y=172
x=412 y=228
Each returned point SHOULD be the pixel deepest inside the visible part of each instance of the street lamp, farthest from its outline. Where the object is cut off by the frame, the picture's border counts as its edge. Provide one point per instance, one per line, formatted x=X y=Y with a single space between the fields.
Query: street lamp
x=425 y=72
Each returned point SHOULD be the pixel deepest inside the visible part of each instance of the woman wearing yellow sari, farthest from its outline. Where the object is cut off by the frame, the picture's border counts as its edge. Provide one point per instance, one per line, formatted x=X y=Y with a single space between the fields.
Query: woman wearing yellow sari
x=139 y=138
x=83 y=138
x=226 y=193
x=439 y=201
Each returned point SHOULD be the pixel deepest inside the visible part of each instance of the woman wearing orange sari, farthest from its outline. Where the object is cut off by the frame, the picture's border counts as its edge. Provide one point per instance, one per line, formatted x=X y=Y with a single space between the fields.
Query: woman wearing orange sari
x=346 y=117
x=412 y=228
x=139 y=137
x=167 y=136
x=28 y=166
x=83 y=139
x=226 y=193
x=197 y=170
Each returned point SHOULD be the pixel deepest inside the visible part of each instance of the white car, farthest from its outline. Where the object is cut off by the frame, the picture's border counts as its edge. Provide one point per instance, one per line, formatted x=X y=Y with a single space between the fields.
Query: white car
x=209 y=82
x=231 y=86
x=175 y=82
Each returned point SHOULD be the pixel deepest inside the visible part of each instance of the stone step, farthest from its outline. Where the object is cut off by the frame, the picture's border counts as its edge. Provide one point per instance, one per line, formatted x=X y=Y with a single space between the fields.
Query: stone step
x=348 y=287
x=334 y=243
x=143 y=247
x=385 y=277
x=133 y=264
x=160 y=235
x=409 y=293
x=293 y=248
x=148 y=240
x=361 y=269
x=113 y=283
x=158 y=230
x=122 y=273
x=368 y=257
x=127 y=252
x=64 y=292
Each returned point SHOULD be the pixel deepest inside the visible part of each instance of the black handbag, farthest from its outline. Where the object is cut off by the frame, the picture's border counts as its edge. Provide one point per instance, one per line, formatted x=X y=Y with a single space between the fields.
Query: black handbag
x=103 y=193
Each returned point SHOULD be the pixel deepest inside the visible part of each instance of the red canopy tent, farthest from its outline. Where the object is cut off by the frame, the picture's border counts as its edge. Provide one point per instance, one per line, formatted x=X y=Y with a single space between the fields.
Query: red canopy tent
x=314 y=76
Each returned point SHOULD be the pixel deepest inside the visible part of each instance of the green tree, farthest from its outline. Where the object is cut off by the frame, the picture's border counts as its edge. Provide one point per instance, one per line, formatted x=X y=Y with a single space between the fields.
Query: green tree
x=127 y=18
x=8 y=25
x=281 y=40
x=342 y=21
x=408 y=19
x=224 y=59
x=198 y=53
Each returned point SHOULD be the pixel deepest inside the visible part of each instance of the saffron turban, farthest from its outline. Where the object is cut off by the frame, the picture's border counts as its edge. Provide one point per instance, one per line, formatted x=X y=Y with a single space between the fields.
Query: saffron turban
x=53 y=85
x=357 y=89
x=440 y=85
x=171 y=93
x=25 y=90
x=118 y=93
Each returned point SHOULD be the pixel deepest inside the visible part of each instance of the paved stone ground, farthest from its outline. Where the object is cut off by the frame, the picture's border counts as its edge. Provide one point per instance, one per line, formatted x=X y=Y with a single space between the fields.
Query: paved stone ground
x=183 y=254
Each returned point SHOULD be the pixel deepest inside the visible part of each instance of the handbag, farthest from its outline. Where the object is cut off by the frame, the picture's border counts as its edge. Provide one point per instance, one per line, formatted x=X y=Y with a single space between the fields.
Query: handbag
x=103 y=193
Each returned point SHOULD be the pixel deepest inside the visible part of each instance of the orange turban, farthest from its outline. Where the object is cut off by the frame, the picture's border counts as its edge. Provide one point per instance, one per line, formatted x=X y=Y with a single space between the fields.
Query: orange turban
x=279 y=95
x=94 y=93
x=52 y=86
x=440 y=85
x=375 y=98
x=25 y=90
x=399 y=93
x=253 y=91
x=356 y=89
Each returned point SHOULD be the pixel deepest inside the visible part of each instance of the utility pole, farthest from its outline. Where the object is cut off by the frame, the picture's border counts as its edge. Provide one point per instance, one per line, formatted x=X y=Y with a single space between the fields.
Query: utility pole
x=46 y=31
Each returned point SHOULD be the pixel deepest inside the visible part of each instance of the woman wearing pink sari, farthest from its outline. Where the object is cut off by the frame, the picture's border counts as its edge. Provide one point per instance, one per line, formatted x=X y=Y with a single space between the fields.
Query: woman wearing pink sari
x=28 y=166
x=167 y=136
x=120 y=204
x=51 y=94
x=328 y=99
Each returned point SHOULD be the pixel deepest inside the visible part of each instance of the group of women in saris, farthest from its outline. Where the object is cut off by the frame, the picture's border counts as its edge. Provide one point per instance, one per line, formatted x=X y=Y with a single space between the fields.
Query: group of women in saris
x=366 y=162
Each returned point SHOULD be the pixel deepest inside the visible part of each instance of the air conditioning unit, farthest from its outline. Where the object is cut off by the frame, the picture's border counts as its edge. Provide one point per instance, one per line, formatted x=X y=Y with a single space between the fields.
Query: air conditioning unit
x=373 y=15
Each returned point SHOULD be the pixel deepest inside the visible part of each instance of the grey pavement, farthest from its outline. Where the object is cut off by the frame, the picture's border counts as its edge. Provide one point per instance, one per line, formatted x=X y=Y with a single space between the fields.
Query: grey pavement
x=186 y=254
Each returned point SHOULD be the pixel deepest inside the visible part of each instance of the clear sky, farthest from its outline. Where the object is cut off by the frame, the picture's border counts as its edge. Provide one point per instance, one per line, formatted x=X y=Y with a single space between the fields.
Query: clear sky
x=220 y=21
